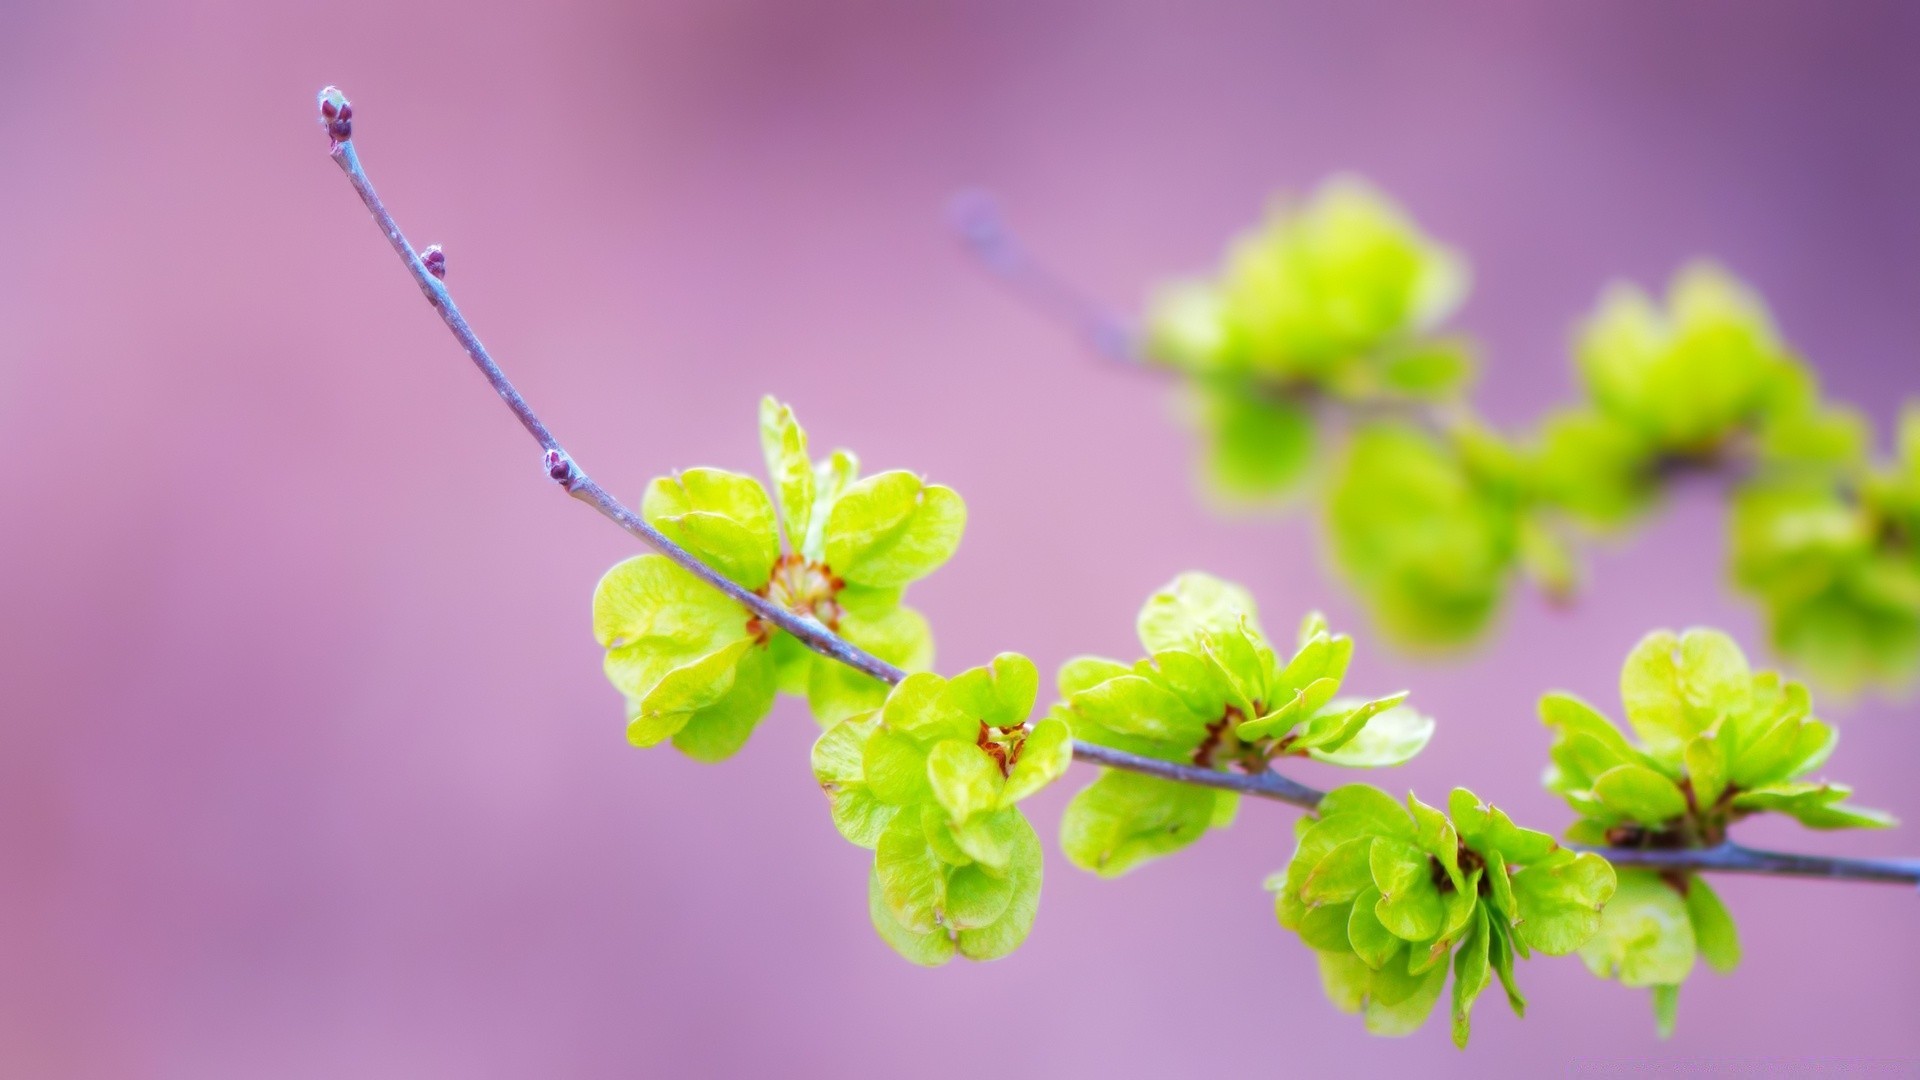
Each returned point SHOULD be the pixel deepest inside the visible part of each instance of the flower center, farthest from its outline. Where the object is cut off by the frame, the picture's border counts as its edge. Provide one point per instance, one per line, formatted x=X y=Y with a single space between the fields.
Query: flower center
x=1003 y=744
x=806 y=588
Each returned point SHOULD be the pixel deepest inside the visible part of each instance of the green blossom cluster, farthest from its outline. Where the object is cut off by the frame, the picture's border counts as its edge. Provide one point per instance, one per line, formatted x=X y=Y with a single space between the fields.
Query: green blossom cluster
x=1836 y=565
x=1716 y=743
x=1335 y=305
x=697 y=667
x=1334 y=299
x=931 y=783
x=1386 y=894
x=1211 y=692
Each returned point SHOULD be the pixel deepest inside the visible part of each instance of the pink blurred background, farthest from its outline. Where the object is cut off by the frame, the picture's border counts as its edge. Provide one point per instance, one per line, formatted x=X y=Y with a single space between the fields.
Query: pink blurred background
x=307 y=766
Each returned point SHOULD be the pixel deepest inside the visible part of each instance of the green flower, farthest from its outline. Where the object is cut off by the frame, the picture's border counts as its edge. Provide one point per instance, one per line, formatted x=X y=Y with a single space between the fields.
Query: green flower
x=1386 y=894
x=1687 y=380
x=1716 y=743
x=1332 y=299
x=697 y=667
x=1211 y=693
x=931 y=784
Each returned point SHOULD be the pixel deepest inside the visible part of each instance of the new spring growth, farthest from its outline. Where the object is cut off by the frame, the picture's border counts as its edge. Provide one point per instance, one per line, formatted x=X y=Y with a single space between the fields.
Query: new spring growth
x=336 y=114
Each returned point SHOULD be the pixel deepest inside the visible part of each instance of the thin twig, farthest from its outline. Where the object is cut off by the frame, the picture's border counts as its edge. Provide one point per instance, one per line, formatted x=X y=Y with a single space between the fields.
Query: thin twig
x=337 y=115
x=976 y=216
x=1731 y=858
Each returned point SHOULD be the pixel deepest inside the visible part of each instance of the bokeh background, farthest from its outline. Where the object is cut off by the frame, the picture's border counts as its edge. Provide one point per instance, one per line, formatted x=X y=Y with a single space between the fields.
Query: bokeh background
x=307 y=768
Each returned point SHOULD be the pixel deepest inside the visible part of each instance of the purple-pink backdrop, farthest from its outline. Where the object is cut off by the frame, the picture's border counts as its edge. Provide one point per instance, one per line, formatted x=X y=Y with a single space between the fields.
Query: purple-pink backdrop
x=307 y=768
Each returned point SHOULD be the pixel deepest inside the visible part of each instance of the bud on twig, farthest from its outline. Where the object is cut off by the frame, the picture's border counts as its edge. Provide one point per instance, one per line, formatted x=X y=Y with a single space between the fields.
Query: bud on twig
x=336 y=114
x=436 y=261
x=560 y=469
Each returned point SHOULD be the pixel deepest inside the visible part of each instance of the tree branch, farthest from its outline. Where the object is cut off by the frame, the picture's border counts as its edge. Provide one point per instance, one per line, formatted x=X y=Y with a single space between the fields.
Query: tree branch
x=336 y=115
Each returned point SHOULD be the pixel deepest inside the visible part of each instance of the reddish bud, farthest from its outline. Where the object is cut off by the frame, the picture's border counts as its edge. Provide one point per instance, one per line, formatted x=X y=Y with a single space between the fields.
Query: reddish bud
x=336 y=114
x=436 y=261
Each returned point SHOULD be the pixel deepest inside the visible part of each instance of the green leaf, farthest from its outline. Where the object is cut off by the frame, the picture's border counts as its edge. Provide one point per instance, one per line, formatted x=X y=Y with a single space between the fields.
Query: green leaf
x=686 y=691
x=1086 y=672
x=1713 y=926
x=1325 y=927
x=723 y=518
x=1650 y=689
x=653 y=617
x=1645 y=937
x=964 y=779
x=930 y=949
x=1559 y=900
x=1337 y=725
x=1140 y=706
x=1190 y=609
x=1124 y=819
x=1500 y=955
x=1391 y=738
x=718 y=730
x=1430 y=369
x=1410 y=905
x=1407 y=1014
x=1382 y=814
x=1666 y=1008
x=895 y=766
x=1023 y=872
x=1367 y=936
x=1258 y=445
x=1640 y=794
x=1044 y=758
x=784 y=444
x=1706 y=760
x=1000 y=694
x=991 y=838
x=893 y=528
x=1340 y=875
x=1429 y=543
x=900 y=636
x=1311 y=698
x=832 y=476
x=975 y=898
x=913 y=880
x=1472 y=971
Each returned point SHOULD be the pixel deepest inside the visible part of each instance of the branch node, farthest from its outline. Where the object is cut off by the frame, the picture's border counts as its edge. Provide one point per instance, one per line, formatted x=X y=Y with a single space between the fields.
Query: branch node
x=561 y=469
x=336 y=114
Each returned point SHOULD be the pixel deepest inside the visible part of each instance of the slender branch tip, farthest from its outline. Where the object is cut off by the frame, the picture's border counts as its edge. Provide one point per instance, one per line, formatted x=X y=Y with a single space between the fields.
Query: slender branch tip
x=336 y=114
